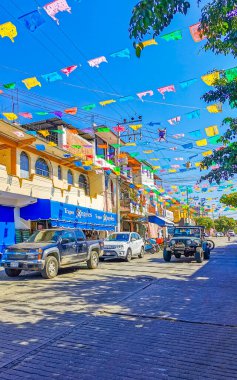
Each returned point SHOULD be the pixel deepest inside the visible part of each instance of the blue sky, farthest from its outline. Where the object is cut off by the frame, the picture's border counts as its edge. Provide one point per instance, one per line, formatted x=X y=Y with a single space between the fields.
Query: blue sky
x=96 y=28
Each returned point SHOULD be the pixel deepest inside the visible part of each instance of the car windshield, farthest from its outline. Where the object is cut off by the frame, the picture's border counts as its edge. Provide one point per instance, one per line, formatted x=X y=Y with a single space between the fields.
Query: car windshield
x=190 y=232
x=50 y=236
x=118 y=237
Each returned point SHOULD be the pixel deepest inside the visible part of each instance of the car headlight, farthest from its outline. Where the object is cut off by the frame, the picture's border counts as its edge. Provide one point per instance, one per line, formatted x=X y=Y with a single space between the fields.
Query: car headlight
x=6 y=250
x=172 y=242
x=189 y=242
x=119 y=247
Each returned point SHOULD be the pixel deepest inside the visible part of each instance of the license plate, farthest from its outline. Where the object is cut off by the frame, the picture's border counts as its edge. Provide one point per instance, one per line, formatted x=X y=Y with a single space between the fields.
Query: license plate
x=14 y=265
x=108 y=253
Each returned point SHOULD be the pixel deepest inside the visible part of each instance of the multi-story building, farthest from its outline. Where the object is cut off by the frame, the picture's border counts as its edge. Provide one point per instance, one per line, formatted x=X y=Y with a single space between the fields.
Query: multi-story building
x=44 y=183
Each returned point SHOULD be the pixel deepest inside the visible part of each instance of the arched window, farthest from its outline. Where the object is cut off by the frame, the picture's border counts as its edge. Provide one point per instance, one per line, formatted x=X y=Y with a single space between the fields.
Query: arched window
x=59 y=172
x=24 y=165
x=70 y=177
x=41 y=167
x=112 y=192
x=83 y=183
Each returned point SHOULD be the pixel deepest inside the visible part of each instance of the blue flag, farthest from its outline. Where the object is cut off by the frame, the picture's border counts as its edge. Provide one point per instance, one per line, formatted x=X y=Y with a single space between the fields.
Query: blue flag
x=193 y=114
x=32 y=20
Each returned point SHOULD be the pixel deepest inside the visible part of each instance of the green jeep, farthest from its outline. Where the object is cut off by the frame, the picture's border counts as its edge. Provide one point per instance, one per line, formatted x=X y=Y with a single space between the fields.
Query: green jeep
x=189 y=242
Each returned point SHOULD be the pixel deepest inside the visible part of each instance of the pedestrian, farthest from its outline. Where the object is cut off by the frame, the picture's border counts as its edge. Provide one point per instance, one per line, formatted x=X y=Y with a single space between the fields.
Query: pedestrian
x=228 y=236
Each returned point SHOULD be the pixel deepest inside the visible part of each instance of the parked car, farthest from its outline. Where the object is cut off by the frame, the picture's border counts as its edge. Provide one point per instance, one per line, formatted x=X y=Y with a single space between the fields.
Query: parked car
x=219 y=234
x=231 y=233
x=123 y=245
x=190 y=242
x=48 y=250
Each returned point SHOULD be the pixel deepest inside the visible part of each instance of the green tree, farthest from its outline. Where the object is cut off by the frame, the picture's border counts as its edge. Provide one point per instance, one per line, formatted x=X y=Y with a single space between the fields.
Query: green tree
x=223 y=224
x=153 y=16
x=204 y=221
x=219 y=26
x=229 y=199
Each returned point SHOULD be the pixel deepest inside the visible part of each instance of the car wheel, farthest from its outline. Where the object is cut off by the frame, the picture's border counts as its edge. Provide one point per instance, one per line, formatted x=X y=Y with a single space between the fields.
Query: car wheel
x=51 y=268
x=199 y=255
x=166 y=255
x=207 y=254
x=129 y=255
x=141 y=254
x=12 y=272
x=93 y=261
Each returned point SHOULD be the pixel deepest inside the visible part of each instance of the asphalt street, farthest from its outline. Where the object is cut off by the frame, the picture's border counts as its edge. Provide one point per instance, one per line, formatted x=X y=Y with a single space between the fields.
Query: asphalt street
x=146 y=319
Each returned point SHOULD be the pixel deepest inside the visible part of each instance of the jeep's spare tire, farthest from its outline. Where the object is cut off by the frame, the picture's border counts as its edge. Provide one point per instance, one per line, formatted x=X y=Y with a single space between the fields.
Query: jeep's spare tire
x=211 y=244
x=166 y=255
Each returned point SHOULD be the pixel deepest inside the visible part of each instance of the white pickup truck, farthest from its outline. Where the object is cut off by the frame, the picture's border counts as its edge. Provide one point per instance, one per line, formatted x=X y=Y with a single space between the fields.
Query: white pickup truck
x=123 y=245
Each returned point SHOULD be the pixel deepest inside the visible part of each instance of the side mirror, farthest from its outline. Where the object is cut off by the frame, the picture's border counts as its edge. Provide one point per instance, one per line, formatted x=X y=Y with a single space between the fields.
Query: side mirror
x=64 y=241
x=133 y=239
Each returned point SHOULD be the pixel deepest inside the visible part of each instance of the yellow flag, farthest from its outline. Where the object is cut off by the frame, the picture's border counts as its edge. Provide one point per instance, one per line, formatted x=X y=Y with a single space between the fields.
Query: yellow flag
x=148 y=43
x=44 y=132
x=212 y=131
x=154 y=159
x=209 y=79
x=31 y=82
x=197 y=164
x=202 y=142
x=8 y=30
x=106 y=102
x=156 y=167
x=135 y=127
x=10 y=115
x=215 y=108
x=172 y=170
x=88 y=162
x=207 y=153
x=130 y=144
x=51 y=143
x=148 y=151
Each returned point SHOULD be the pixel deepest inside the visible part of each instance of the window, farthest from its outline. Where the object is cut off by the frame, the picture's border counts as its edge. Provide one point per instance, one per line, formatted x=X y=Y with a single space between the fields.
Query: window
x=83 y=184
x=41 y=167
x=111 y=153
x=24 y=165
x=68 y=235
x=59 y=172
x=70 y=177
x=79 y=235
x=134 y=236
x=100 y=147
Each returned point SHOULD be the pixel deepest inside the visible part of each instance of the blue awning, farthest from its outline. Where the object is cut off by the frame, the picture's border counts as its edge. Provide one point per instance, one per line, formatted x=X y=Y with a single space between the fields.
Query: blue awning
x=162 y=222
x=69 y=216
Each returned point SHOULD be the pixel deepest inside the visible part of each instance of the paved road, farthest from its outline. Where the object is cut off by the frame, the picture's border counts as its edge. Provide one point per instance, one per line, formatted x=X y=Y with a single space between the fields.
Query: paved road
x=141 y=320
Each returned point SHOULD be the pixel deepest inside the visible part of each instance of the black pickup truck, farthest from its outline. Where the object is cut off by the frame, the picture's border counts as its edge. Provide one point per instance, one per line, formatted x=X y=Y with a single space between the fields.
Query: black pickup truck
x=48 y=250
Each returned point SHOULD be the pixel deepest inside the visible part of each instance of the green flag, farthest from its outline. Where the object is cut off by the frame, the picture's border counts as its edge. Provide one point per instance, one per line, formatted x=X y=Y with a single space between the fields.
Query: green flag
x=231 y=74
x=214 y=140
x=174 y=36
x=10 y=86
x=89 y=107
x=103 y=129
x=41 y=113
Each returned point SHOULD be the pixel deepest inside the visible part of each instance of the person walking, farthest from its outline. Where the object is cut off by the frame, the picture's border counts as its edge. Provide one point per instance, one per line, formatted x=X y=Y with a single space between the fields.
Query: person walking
x=228 y=236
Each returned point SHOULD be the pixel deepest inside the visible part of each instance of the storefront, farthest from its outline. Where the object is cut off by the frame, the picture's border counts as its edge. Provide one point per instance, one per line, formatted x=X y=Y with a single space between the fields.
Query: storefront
x=7 y=226
x=49 y=214
x=163 y=224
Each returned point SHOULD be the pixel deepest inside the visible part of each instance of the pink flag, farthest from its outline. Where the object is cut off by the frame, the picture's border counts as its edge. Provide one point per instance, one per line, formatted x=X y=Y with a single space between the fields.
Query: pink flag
x=173 y=148
x=97 y=61
x=119 y=128
x=141 y=94
x=56 y=6
x=174 y=120
x=163 y=90
x=68 y=70
x=175 y=166
x=19 y=134
x=178 y=135
x=26 y=115
x=196 y=33
x=179 y=158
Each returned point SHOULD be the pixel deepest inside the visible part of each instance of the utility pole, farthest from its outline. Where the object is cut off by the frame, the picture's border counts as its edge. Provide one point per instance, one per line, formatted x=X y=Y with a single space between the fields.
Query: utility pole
x=187 y=203
x=118 y=184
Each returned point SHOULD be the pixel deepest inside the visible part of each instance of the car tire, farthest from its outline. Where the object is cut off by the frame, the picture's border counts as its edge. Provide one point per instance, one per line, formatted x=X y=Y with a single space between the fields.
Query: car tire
x=12 y=272
x=129 y=255
x=51 y=268
x=141 y=254
x=167 y=255
x=93 y=261
x=207 y=254
x=199 y=255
